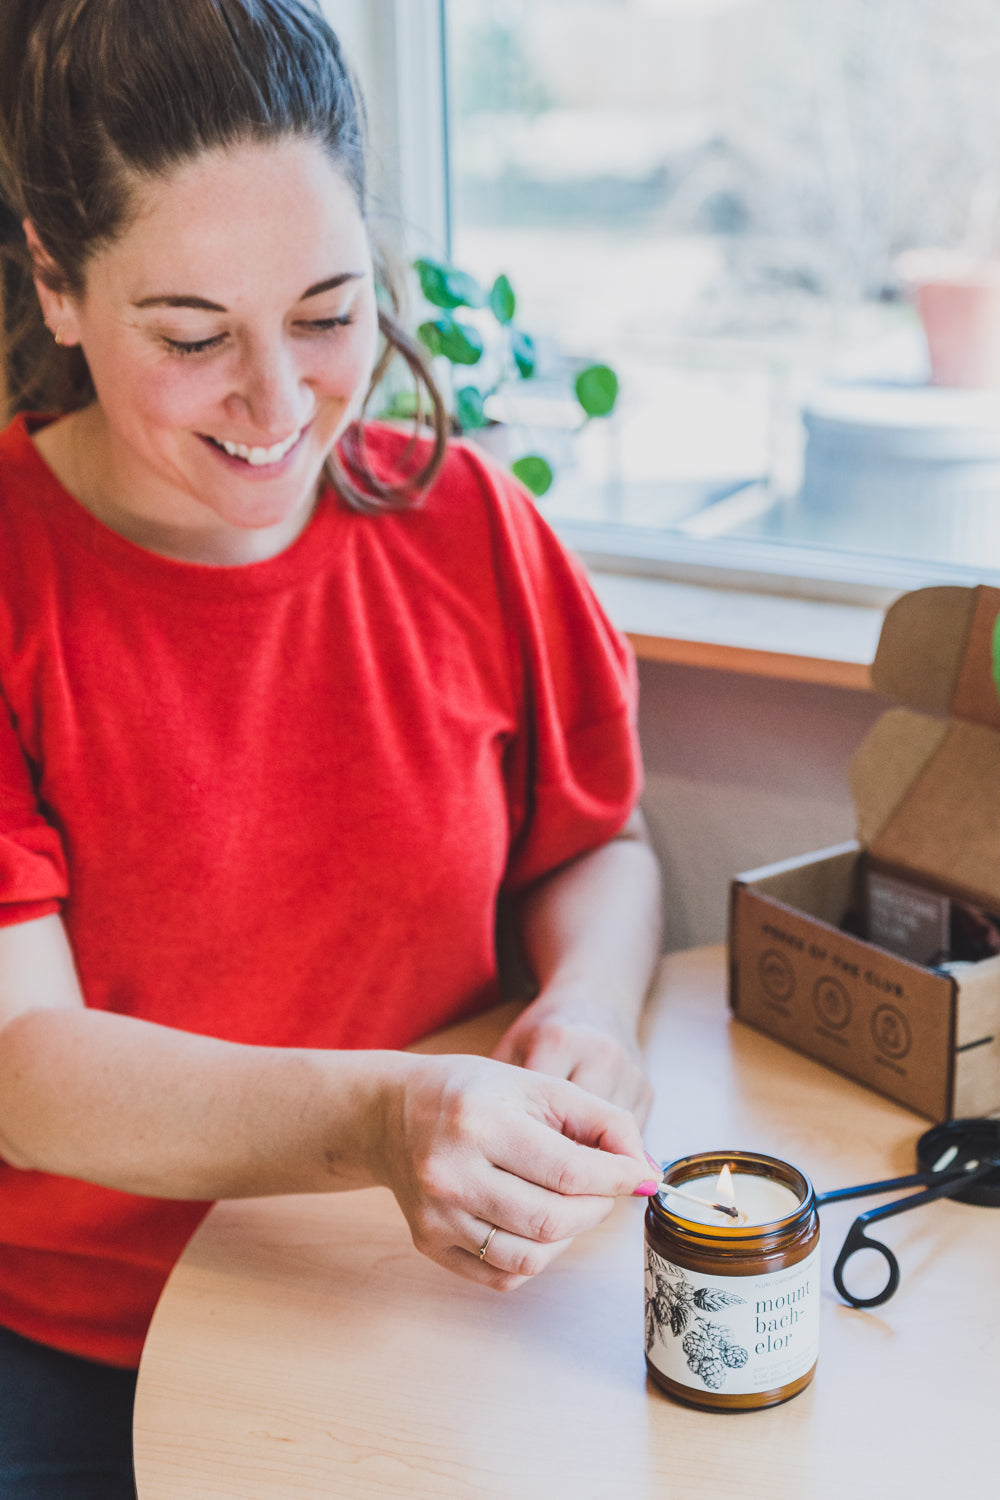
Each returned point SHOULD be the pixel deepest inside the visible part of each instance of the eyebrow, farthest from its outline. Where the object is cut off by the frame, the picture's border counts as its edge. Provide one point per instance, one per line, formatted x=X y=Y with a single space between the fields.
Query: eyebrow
x=203 y=304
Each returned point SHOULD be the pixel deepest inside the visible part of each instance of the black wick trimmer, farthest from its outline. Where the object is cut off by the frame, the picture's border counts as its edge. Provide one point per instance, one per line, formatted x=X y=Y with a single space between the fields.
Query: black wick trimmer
x=960 y=1159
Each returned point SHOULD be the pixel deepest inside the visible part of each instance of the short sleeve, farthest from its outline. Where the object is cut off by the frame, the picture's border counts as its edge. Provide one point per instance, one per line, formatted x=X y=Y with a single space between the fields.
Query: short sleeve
x=573 y=770
x=32 y=860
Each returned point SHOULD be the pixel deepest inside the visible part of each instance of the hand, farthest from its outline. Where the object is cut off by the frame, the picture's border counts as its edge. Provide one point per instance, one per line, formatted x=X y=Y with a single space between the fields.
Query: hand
x=469 y=1144
x=561 y=1039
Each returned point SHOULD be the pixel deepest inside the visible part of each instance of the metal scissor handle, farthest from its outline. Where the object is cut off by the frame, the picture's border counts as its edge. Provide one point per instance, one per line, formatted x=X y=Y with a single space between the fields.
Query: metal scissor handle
x=949 y=1183
x=858 y=1240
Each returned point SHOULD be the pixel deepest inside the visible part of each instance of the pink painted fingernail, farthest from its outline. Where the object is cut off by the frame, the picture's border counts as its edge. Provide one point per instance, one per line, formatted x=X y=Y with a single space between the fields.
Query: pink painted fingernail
x=646 y=1189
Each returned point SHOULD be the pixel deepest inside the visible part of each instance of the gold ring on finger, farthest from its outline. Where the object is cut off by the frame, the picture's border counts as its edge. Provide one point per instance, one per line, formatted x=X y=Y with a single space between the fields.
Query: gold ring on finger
x=487 y=1242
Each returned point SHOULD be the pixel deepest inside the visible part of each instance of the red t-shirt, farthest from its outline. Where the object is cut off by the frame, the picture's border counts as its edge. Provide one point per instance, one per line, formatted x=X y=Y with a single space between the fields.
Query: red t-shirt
x=278 y=803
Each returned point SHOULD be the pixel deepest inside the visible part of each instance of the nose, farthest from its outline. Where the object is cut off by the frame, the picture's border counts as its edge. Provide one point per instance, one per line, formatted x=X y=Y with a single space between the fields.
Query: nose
x=272 y=391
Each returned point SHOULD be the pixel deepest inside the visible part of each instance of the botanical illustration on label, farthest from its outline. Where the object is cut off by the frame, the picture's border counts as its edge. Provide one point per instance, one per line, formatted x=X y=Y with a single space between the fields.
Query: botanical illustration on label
x=734 y=1334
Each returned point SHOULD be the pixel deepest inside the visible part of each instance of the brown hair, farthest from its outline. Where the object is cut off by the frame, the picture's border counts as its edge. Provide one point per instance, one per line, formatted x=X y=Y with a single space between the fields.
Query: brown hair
x=96 y=92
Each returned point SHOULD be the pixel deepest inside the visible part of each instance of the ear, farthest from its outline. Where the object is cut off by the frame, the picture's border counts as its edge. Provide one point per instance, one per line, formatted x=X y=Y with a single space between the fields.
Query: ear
x=59 y=309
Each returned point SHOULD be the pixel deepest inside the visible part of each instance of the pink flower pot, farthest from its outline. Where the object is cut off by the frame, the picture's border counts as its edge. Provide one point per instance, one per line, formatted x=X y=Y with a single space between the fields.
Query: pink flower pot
x=958 y=299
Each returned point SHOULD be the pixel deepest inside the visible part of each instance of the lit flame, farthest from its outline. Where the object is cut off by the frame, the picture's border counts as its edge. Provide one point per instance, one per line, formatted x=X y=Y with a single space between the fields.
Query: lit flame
x=724 y=1191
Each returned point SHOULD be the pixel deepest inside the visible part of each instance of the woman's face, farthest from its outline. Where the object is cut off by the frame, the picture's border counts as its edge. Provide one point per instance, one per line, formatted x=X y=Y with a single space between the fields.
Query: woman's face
x=230 y=333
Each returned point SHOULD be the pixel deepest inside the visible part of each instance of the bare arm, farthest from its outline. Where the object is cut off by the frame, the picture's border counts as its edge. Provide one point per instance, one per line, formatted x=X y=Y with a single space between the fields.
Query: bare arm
x=464 y=1143
x=147 y=1109
x=591 y=935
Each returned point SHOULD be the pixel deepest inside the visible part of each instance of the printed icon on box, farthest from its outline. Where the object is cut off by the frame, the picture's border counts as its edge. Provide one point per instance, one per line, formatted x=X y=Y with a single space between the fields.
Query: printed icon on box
x=776 y=975
x=831 y=1002
x=891 y=1031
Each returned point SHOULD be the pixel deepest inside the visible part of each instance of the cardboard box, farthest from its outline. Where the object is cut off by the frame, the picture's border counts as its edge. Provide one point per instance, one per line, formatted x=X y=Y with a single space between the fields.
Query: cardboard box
x=926 y=785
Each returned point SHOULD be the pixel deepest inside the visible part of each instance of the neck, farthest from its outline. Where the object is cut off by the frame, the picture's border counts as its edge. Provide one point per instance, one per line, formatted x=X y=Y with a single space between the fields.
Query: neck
x=78 y=451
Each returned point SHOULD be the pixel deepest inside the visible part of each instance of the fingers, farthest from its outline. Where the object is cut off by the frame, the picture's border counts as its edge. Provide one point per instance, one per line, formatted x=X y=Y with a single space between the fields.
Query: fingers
x=545 y=1048
x=509 y=1261
x=500 y=1258
x=528 y=1219
x=478 y=1145
x=586 y=1055
x=616 y=1078
x=534 y=1215
x=578 y=1142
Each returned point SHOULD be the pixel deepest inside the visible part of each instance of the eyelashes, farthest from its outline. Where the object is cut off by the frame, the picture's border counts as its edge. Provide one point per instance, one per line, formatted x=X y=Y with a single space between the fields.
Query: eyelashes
x=187 y=349
x=199 y=346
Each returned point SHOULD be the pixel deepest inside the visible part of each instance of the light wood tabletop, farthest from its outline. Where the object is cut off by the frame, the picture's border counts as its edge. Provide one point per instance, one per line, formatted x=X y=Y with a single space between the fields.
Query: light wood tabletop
x=303 y=1348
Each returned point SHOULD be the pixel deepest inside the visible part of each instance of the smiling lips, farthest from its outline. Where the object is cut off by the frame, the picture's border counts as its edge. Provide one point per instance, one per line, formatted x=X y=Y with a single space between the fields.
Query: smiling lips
x=259 y=458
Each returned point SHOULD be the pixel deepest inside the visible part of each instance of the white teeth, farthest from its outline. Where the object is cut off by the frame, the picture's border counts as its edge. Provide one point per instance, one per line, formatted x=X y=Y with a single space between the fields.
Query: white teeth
x=260 y=456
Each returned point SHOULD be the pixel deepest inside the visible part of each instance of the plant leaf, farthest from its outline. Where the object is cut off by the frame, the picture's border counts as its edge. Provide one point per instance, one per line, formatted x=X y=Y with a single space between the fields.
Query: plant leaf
x=522 y=346
x=597 y=390
x=446 y=286
x=429 y=335
x=502 y=300
x=469 y=412
x=459 y=342
x=533 y=472
x=403 y=404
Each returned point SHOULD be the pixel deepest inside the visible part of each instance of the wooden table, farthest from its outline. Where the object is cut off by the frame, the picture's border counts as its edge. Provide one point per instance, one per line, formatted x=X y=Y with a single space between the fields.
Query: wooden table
x=303 y=1348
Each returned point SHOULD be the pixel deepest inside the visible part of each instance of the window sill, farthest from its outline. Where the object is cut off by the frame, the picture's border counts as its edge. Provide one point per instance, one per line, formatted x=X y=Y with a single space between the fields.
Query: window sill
x=743 y=631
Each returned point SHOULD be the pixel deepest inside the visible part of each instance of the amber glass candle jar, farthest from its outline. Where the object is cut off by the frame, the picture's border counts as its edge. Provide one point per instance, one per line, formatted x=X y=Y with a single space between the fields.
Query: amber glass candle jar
x=732 y=1306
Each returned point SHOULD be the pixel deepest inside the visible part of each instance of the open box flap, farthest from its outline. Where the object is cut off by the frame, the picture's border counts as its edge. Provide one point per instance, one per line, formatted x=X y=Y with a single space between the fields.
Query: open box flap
x=921 y=645
x=927 y=795
x=927 y=790
x=936 y=653
x=946 y=828
x=891 y=757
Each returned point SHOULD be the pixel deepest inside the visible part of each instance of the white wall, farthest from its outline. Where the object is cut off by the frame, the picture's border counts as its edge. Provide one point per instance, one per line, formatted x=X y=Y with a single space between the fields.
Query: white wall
x=740 y=771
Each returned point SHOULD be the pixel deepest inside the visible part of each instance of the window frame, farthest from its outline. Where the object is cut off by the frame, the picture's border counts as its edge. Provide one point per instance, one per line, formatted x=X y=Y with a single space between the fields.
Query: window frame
x=404 y=66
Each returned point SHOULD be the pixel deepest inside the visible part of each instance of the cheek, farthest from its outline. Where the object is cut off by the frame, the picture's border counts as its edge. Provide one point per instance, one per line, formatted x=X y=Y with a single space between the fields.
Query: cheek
x=174 y=398
x=142 y=395
x=348 y=365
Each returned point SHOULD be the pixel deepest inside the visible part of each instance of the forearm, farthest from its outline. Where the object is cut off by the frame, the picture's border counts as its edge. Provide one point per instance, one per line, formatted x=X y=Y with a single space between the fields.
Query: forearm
x=465 y=1144
x=146 y=1109
x=591 y=936
x=591 y=931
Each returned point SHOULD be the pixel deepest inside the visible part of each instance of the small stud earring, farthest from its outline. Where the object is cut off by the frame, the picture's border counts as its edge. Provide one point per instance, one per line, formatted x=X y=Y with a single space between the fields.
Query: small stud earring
x=58 y=335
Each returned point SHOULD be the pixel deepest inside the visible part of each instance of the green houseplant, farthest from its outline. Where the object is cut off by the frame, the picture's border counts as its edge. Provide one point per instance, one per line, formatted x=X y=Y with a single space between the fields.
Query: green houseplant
x=474 y=330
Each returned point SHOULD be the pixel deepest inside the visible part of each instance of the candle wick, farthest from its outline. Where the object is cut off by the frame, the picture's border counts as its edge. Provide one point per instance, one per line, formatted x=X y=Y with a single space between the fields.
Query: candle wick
x=727 y=1208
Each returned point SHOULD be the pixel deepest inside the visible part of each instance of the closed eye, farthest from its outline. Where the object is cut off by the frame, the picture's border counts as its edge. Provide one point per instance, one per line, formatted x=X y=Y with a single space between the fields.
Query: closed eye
x=197 y=346
x=202 y=346
x=326 y=325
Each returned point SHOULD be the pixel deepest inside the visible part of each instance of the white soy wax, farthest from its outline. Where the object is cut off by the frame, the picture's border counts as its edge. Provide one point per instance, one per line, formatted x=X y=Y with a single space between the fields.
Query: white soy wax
x=760 y=1200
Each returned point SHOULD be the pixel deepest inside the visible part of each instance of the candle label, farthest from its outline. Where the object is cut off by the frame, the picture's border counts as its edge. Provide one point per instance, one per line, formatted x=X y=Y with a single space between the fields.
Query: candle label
x=732 y=1334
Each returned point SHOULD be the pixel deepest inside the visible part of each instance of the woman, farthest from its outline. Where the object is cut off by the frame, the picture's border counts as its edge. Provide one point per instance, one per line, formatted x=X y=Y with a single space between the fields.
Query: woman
x=295 y=706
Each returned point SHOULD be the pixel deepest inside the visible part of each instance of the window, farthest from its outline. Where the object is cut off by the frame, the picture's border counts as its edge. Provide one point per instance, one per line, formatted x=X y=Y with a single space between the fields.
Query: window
x=713 y=197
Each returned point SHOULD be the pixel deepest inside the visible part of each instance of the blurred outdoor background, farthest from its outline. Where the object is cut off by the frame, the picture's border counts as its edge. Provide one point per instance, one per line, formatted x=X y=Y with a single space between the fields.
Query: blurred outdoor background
x=711 y=196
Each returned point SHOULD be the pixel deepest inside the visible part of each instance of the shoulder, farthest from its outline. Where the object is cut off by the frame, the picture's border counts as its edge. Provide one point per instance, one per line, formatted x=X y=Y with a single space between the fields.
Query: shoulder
x=471 y=490
x=25 y=482
x=19 y=460
x=467 y=472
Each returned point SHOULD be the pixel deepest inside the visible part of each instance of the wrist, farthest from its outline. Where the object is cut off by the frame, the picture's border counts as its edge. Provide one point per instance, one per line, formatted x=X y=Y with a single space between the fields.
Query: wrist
x=385 y=1117
x=351 y=1102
